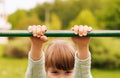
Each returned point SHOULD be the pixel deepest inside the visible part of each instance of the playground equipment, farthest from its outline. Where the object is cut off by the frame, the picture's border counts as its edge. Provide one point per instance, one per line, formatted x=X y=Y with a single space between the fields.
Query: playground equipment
x=60 y=33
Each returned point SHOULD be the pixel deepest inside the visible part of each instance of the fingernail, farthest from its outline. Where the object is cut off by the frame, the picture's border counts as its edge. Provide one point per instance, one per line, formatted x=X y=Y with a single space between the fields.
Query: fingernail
x=76 y=33
x=80 y=35
x=34 y=35
x=30 y=30
x=38 y=36
x=84 y=34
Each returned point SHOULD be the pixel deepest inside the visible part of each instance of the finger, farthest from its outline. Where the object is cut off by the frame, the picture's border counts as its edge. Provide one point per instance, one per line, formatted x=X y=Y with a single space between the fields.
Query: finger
x=34 y=30
x=39 y=30
x=89 y=28
x=76 y=29
x=38 y=36
x=44 y=29
x=85 y=30
x=43 y=38
x=81 y=30
x=30 y=28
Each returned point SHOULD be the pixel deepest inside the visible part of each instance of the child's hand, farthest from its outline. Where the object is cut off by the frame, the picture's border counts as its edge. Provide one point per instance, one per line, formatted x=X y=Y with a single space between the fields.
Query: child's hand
x=38 y=34
x=82 y=42
x=81 y=31
x=37 y=40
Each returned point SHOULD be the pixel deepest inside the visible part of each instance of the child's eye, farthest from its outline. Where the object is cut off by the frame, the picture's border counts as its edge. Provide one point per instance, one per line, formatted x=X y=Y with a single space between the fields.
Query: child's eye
x=68 y=71
x=54 y=72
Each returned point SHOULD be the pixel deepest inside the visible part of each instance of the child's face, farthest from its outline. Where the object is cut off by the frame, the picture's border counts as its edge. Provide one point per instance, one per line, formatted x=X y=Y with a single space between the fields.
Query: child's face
x=56 y=73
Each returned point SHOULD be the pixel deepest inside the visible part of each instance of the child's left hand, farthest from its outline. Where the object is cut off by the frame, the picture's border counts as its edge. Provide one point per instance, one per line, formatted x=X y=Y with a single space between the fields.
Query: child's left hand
x=82 y=42
x=81 y=31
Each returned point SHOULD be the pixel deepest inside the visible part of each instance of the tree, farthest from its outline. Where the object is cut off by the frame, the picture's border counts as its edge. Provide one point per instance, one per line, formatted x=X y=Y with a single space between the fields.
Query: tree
x=110 y=15
x=55 y=22
x=25 y=22
x=15 y=17
x=66 y=10
x=85 y=17
x=21 y=19
x=41 y=10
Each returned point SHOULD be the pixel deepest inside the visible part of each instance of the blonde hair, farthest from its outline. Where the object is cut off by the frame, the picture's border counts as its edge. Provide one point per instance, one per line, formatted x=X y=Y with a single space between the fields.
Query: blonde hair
x=59 y=54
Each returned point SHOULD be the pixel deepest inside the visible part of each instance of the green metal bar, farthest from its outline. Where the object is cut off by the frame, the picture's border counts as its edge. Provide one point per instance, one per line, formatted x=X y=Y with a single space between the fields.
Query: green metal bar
x=60 y=33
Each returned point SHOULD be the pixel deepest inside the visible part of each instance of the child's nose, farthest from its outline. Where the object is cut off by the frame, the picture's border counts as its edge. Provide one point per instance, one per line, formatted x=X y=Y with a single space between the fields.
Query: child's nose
x=62 y=76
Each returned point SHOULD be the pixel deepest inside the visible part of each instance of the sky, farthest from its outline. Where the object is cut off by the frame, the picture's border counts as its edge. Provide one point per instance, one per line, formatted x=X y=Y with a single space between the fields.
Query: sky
x=12 y=5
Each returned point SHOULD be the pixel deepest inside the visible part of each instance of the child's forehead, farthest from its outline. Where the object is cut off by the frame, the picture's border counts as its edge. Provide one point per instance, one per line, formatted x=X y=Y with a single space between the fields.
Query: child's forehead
x=55 y=69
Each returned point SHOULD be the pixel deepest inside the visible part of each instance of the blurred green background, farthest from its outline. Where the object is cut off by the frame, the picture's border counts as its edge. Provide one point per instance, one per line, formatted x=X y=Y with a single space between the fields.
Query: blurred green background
x=62 y=15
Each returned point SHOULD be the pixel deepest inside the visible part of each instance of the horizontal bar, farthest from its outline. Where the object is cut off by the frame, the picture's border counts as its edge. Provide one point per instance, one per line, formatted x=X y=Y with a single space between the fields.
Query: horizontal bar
x=60 y=33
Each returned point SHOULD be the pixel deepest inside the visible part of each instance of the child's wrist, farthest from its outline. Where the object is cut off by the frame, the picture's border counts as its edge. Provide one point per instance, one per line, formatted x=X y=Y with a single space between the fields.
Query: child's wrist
x=83 y=47
x=83 y=53
x=36 y=44
x=83 y=56
x=35 y=55
x=36 y=47
x=36 y=52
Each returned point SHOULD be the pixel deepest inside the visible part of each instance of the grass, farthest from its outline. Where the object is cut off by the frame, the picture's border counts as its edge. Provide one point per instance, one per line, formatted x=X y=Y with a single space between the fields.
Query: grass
x=12 y=68
x=2 y=49
x=105 y=73
x=15 y=68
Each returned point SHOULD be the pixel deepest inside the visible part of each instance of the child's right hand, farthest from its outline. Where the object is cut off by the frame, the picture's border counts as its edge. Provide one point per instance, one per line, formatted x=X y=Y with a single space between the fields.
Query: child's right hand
x=37 y=40
x=38 y=34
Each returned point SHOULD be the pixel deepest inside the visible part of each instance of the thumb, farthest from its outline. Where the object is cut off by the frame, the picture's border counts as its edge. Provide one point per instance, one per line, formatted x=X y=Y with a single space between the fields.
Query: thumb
x=44 y=38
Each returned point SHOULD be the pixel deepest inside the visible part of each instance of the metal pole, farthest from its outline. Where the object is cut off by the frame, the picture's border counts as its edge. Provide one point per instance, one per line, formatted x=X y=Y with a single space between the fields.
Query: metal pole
x=60 y=33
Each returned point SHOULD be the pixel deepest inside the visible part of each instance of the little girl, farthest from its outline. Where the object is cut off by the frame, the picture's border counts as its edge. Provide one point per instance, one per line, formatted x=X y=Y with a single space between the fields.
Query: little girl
x=59 y=59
